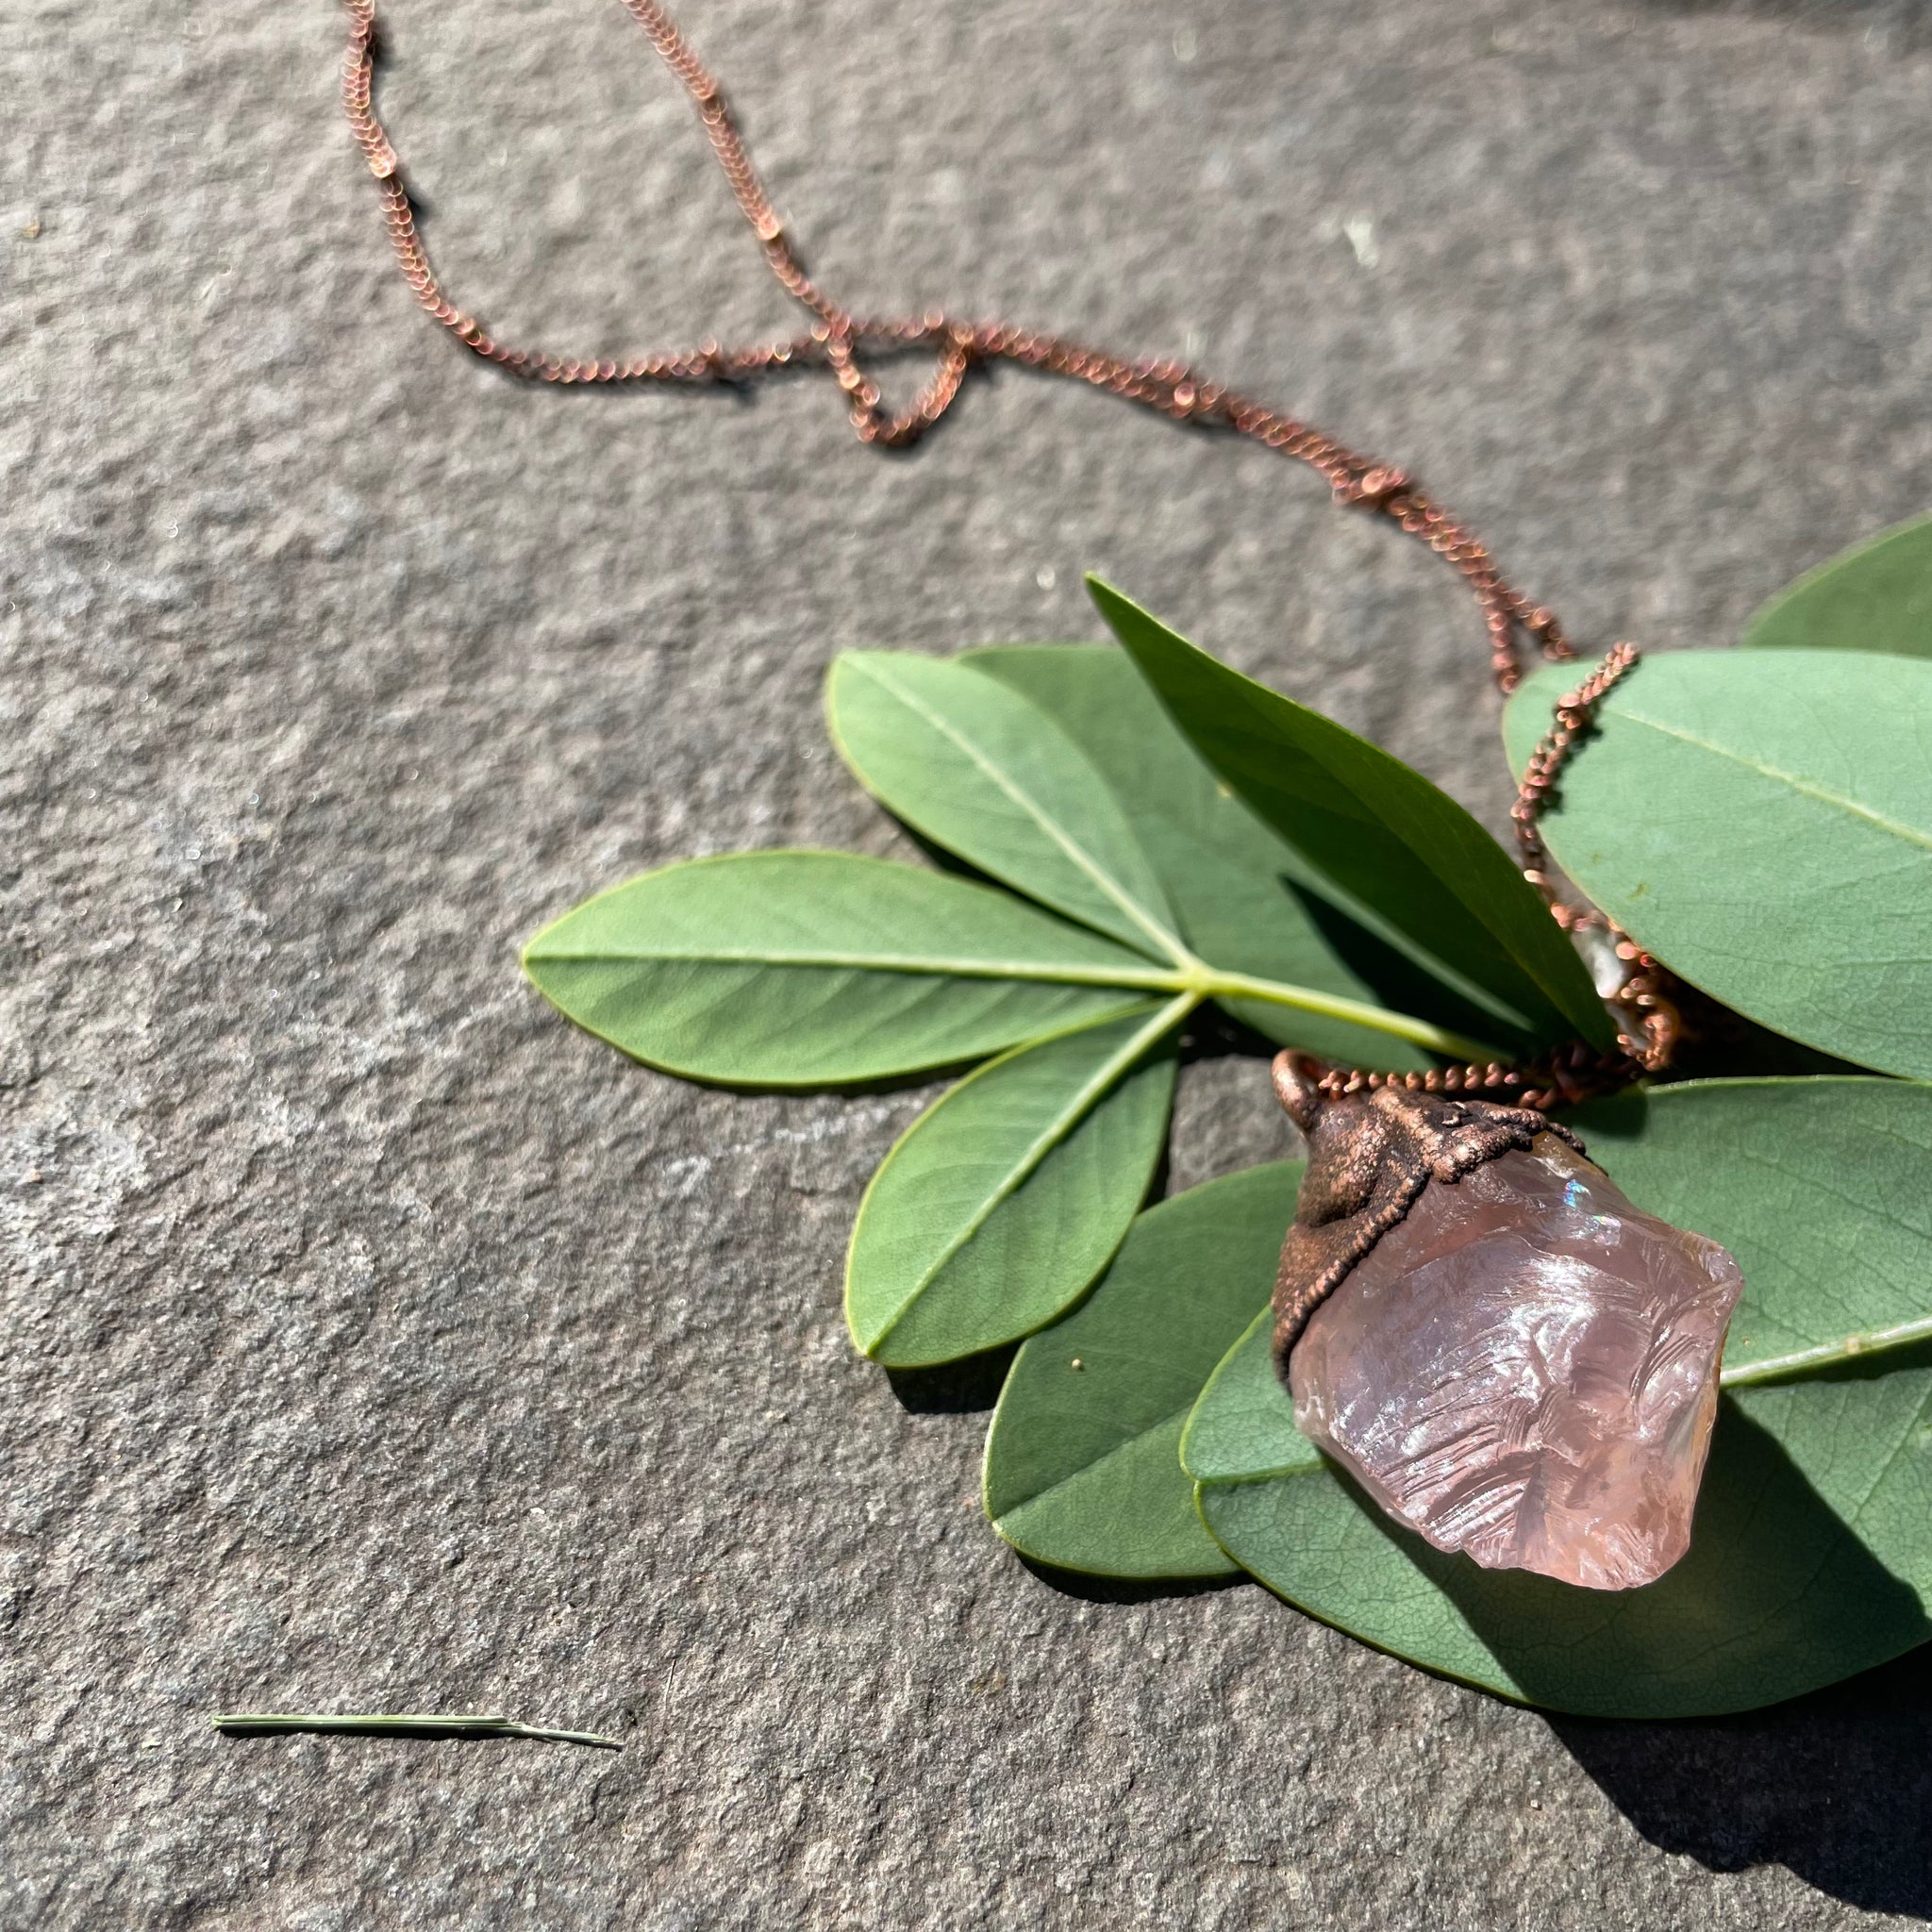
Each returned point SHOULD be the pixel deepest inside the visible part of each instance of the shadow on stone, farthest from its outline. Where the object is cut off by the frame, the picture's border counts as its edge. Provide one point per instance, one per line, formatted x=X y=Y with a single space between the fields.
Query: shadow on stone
x=962 y=1388
x=1835 y=1787
x=1123 y=1589
x=1907 y=24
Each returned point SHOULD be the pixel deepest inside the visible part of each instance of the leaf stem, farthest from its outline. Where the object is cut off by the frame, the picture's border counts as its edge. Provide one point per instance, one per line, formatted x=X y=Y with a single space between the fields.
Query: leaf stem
x=257 y=1724
x=1214 y=984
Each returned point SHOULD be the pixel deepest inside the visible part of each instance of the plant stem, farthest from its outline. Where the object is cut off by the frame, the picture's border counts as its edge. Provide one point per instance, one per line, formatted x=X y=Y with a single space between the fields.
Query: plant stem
x=1213 y=984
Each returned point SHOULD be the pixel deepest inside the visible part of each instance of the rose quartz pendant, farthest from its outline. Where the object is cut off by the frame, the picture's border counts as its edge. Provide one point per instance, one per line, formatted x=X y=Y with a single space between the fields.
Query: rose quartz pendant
x=1506 y=1354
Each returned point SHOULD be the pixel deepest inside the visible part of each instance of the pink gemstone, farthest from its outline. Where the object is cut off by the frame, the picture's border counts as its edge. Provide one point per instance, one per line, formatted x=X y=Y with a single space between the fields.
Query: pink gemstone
x=1526 y=1369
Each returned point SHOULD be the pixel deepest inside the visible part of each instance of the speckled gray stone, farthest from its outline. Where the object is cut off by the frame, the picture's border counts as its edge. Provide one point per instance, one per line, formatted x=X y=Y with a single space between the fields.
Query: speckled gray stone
x=372 y=1339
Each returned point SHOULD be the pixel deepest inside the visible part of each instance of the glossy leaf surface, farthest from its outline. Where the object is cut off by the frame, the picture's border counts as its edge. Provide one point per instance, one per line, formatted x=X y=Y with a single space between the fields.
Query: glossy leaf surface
x=794 y=969
x=977 y=768
x=1876 y=596
x=1245 y=900
x=1003 y=1201
x=1386 y=840
x=1082 y=1467
x=1762 y=824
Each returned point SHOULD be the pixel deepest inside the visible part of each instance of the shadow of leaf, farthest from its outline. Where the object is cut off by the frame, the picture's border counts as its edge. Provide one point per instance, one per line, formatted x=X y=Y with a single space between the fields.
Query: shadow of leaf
x=1776 y=1597
x=1125 y=1589
x=962 y=1388
x=1393 y=979
x=1904 y=22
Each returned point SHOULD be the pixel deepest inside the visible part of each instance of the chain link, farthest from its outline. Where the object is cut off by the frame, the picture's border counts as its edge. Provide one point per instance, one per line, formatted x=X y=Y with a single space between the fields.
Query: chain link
x=834 y=342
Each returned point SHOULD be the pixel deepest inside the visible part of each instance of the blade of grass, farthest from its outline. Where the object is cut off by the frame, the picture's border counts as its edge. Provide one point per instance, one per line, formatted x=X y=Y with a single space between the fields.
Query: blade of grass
x=266 y=1723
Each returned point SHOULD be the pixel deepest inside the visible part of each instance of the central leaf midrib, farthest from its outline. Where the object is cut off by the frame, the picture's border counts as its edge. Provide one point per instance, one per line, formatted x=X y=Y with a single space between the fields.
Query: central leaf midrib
x=1158 y=978
x=1168 y=942
x=1856 y=1346
x=1085 y=1469
x=1262 y=1476
x=1194 y=980
x=1041 y=1145
x=1808 y=788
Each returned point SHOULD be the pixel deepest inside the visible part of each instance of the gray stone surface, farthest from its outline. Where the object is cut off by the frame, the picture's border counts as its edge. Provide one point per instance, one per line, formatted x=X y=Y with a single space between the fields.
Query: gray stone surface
x=373 y=1339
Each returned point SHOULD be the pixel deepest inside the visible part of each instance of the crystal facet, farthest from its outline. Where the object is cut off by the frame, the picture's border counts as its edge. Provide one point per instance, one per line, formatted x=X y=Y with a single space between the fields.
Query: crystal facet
x=1525 y=1368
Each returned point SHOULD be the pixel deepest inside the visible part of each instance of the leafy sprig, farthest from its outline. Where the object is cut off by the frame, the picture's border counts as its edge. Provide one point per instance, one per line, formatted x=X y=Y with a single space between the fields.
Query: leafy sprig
x=1151 y=831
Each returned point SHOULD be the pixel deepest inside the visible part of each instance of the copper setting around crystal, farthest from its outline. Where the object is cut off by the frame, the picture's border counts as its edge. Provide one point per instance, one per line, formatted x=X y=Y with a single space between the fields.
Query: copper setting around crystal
x=1369 y=1156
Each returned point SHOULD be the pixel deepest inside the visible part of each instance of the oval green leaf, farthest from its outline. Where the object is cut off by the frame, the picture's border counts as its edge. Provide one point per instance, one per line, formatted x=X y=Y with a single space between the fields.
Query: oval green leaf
x=1247 y=902
x=1081 y=1463
x=1400 y=854
x=801 y=969
x=1003 y=1201
x=1876 y=596
x=981 y=771
x=1762 y=824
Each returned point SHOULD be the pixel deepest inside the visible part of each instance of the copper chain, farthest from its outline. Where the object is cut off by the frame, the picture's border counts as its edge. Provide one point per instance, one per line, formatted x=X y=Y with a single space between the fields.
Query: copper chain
x=834 y=341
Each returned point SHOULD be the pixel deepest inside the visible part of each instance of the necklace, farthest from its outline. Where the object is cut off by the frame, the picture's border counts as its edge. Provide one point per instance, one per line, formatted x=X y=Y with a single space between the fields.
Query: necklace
x=1642 y=993
x=1416 y=1152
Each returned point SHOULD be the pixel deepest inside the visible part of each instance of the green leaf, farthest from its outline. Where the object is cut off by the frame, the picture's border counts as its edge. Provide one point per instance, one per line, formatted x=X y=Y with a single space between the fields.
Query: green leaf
x=1762 y=824
x=1002 y=1202
x=1242 y=1428
x=1811 y=1557
x=1081 y=1469
x=802 y=969
x=976 y=767
x=1823 y=1191
x=1810 y=1560
x=1245 y=900
x=1876 y=596
x=1401 y=853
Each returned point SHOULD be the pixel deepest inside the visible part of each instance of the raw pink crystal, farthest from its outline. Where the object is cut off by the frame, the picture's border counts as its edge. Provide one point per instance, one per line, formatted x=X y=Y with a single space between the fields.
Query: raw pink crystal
x=1526 y=1369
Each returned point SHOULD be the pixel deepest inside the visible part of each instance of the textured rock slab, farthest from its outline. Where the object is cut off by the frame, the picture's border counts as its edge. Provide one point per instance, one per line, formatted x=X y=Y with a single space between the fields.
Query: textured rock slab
x=372 y=1340
x=1525 y=1370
